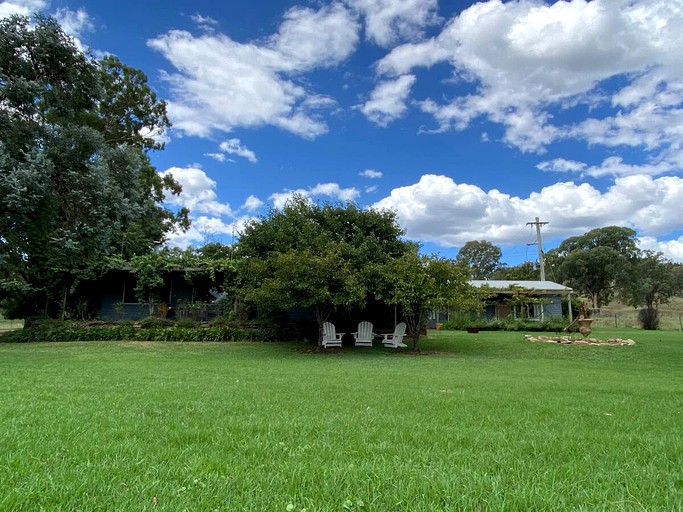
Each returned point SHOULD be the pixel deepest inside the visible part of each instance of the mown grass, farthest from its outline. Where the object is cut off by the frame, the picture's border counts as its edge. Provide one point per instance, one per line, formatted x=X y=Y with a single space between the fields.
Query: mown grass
x=476 y=422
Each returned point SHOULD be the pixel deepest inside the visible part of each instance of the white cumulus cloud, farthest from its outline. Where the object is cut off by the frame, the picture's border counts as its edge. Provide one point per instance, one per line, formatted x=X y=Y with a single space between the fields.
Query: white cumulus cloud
x=198 y=194
x=235 y=147
x=329 y=190
x=74 y=23
x=561 y=165
x=371 y=173
x=203 y=230
x=388 y=100
x=252 y=203
x=22 y=7
x=390 y=21
x=211 y=219
x=219 y=157
x=671 y=249
x=519 y=63
x=206 y=23
x=219 y=83
x=439 y=210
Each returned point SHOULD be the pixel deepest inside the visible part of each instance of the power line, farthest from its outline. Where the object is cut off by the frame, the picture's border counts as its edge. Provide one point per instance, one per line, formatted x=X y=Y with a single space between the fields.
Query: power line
x=538 y=225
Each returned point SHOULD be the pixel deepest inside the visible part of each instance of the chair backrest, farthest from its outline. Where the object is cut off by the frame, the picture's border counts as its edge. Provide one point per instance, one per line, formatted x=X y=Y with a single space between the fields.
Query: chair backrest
x=365 y=330
x=329 y=331
x=400 y=329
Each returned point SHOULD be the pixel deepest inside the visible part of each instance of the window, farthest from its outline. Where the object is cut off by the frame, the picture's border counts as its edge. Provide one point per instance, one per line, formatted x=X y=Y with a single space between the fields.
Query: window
x=129 y=296
x=528 y=311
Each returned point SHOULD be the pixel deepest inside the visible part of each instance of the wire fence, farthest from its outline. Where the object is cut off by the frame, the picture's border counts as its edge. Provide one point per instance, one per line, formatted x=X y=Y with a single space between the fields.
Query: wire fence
x=621 y=319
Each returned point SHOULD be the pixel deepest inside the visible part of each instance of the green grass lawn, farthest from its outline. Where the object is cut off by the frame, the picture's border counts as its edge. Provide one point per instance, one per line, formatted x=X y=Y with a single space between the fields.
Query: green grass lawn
x=476 y=422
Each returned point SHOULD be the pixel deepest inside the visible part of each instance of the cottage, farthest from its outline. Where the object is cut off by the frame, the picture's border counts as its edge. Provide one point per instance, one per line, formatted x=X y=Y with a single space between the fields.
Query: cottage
x=530 y=300
x=118 y=300
x=533 y=300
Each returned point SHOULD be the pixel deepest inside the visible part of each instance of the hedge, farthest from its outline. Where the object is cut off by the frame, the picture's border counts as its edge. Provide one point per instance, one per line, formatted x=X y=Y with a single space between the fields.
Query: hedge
x=128 y=333
x=553 y=325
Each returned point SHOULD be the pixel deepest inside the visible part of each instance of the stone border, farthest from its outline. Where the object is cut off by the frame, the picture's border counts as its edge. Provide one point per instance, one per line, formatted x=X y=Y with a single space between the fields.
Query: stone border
x=568 y=340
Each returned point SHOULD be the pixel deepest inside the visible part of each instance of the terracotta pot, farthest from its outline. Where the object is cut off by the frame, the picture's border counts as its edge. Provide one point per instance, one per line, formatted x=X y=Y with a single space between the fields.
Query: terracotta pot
x=585 y=326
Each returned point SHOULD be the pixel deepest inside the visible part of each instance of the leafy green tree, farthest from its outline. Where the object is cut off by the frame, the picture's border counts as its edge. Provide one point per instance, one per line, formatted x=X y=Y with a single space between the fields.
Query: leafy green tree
x=149 y=270
x=321 y=257
x=319 y=279
x=481 y=257
x=677 y=271
x=620 y=239
x=526 y=271
x=597 y=262
x=213 y=265
x=421 y=284
x=653 y=280
x=75 y=178
x=363 y=235
x=129 y=111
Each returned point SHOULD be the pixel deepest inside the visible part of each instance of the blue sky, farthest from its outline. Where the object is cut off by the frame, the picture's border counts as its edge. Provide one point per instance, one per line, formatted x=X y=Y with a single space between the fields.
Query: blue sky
x=468 y=119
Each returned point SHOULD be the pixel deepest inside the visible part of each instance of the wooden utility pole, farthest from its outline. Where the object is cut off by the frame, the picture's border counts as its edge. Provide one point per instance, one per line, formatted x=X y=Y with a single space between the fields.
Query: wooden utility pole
x=538 y=225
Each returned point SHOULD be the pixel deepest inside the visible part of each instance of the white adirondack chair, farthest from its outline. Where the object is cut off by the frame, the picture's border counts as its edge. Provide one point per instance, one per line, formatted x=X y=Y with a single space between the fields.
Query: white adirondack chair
x=363 y=337
x=331 y=338
x=395 y=339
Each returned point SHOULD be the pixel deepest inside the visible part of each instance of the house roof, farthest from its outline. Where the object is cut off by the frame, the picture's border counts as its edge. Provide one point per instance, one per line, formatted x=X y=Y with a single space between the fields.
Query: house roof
x=537 y=286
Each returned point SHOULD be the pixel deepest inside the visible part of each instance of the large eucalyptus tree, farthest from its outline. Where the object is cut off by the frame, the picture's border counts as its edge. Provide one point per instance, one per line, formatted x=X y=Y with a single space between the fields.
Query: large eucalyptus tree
x=75 y=179
x=596 y=263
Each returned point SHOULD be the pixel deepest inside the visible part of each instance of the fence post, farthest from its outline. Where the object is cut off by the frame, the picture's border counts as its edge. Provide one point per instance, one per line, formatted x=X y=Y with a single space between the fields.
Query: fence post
x=616 y=323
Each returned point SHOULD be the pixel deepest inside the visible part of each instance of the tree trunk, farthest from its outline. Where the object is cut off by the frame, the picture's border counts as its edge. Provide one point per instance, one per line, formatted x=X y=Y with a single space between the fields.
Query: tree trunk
x=321 y=315
x=64 y=297
x=320 y=332
x=414 y=323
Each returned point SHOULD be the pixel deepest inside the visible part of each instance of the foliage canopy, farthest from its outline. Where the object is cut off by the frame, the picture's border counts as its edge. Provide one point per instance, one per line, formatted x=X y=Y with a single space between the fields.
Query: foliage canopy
x=481 y=257
x=597 y=262
x=75 y=178
x=653 y=281
x=321 y=257
x=420 y=284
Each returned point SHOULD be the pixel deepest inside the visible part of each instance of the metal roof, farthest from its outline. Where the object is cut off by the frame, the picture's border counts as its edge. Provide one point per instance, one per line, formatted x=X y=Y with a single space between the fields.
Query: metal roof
x=538 y=286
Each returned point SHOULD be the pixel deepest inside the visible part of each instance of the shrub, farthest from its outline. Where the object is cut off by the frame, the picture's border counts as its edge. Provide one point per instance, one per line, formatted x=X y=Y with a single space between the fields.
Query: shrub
x=126 y=333
x=462 y=323
x=186 y=323
x=151 y=322
x=223 y=321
